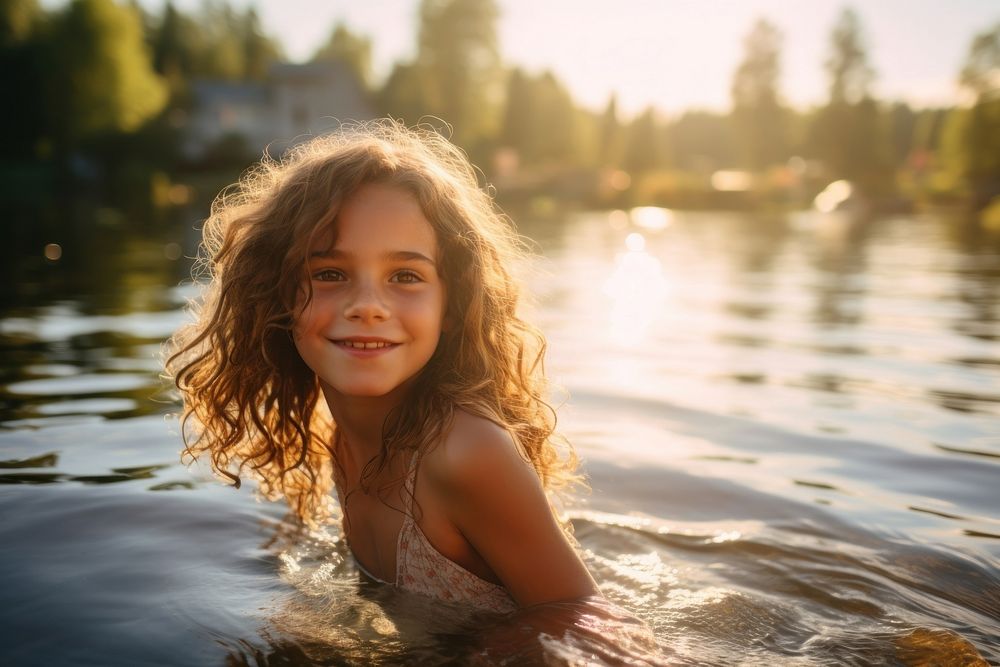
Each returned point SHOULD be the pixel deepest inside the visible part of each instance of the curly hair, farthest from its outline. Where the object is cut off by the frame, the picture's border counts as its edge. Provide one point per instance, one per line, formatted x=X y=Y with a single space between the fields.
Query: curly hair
x=252 y=404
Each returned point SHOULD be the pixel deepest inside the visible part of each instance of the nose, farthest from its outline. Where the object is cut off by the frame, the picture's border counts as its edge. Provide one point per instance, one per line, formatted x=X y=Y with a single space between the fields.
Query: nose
x=366 y=304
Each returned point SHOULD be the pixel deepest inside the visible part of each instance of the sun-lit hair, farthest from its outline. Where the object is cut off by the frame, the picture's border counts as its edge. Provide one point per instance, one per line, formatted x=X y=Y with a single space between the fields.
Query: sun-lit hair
x=250 y=401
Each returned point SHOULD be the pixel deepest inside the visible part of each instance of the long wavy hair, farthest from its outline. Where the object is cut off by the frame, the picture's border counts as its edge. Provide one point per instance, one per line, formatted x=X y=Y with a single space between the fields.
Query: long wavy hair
x=252 y=404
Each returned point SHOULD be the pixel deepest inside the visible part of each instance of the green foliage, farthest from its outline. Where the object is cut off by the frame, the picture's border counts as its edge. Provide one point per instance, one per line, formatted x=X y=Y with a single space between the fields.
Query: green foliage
x=517 y=129
x=981 y=72
x=902 y=132
x=18 y=20
x=758 y=115
x=173 y=43
x=21 y=71
x=221 y=53
x=349 y=48
x=232 y=45
x=703 y=141
x=928 y=129
x=176 y=44
x=101 y=79
x=850 y=74
x=93 y=76
x=259 y=50
x=971 y=145
x=540 y=119
x=851 y=134
x=853 y=140
x=404 y=94
x=972 y=135
x=644 y=144
x=610 y=135
x=458 y=56
x=216 y=43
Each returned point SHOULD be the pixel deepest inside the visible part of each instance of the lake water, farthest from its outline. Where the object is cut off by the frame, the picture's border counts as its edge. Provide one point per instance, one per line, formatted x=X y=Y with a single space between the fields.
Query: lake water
x=791 y=428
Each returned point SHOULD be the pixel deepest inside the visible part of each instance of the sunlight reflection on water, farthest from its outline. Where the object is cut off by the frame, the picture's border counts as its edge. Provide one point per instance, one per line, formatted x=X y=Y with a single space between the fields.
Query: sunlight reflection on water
x=638 y=293
x=790 y=432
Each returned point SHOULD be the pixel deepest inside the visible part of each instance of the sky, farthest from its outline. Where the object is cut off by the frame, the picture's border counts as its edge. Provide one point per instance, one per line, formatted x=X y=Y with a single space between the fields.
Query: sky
x=671 y=54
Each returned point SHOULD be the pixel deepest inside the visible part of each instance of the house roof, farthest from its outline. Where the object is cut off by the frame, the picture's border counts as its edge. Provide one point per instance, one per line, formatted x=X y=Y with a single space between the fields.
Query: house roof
x=209 y=92
x=320 y=71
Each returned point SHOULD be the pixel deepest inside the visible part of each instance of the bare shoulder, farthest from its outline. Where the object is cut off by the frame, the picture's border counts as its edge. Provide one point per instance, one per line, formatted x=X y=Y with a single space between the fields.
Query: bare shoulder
x=494 y=497
x=476 y=452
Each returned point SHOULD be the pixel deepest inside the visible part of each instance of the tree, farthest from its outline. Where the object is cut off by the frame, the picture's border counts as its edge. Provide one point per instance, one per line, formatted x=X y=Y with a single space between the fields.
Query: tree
x=18 y=20
x=221 y=53
x=259 y=50
x=404 y=94
x=610 y=135
x=540 y=119
x=981 y=72
x=217 y=43
x=928 y=129
x=903 y=126
x=101 y=78
x=758 y=115
x=176 y=44
x=972 y=135
x=643 y=151
x=516 y=130
x=459 y=58
x=350 y=48
x=850 y=74
x=850 y=133
x=703 y=141
x=21 y=71
x=232 y=46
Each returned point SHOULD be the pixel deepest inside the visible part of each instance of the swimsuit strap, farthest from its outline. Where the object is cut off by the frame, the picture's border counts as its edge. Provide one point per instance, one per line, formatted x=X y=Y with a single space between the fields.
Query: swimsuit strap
x=421 y=568
x=408 y=525
x=409 y=486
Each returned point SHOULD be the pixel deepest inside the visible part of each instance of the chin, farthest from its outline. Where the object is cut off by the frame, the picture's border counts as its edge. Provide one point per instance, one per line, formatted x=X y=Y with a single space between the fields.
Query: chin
x=364 y=390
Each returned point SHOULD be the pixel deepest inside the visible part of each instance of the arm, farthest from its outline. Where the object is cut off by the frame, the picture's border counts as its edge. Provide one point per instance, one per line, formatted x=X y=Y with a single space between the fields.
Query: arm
x=495 y=498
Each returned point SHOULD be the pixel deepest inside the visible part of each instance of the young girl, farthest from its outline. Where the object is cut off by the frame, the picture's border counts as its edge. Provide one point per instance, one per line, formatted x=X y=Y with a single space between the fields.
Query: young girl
x=360 y=327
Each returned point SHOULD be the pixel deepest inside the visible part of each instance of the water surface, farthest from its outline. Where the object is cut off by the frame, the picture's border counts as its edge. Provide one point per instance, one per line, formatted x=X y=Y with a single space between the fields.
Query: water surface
x=791 y=428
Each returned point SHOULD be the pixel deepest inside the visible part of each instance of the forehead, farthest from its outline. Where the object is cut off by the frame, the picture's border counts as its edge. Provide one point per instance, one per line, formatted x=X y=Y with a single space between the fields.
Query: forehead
x=377 y=216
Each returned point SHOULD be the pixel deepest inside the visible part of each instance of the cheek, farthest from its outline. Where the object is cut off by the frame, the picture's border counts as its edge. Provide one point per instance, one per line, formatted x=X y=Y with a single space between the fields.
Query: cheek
x=300 y=312
x=312 y=314
x=426 y=312
x=301 y=320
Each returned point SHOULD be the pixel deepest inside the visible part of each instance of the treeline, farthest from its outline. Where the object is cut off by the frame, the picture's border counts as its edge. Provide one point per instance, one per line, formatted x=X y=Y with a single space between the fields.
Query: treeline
x=101 y=88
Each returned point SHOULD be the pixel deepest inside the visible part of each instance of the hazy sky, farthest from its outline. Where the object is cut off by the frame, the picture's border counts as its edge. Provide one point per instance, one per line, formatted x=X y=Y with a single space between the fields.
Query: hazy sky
x=673 y=54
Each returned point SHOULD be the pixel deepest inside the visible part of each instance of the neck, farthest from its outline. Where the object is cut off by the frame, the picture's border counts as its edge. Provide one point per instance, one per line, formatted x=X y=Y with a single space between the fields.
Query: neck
x=359 y=421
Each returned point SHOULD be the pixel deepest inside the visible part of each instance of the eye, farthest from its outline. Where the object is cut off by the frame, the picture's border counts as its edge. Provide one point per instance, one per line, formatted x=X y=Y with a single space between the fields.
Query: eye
x=328 y=275
x=406 y=277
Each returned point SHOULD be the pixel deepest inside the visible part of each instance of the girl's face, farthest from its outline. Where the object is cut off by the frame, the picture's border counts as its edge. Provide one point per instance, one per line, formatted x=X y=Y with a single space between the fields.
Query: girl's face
x=378 y=302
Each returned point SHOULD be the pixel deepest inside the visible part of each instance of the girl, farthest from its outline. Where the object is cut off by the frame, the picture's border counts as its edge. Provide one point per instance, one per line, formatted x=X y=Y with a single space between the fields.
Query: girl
x=360 y=326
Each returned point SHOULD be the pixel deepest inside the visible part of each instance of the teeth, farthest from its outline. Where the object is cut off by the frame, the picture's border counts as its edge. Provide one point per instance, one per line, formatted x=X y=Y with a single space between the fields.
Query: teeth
x=358 y=345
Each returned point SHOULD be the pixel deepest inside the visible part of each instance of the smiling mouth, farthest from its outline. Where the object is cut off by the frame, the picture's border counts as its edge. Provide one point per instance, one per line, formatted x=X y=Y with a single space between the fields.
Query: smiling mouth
x=365 y=345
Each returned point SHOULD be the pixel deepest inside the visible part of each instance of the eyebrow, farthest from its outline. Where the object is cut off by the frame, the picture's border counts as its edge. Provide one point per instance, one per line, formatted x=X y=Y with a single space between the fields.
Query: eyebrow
x=395 y=255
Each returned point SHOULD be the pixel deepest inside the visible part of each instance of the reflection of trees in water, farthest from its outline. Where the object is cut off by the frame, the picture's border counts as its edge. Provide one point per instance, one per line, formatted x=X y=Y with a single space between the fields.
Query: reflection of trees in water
x=758 y=240
x=108 y=274
x=106 y=265
x=977 y=279
x=840 y=261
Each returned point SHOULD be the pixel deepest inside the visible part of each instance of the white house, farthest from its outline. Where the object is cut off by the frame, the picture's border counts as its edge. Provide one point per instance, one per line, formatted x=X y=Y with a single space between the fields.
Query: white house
x=294 y=103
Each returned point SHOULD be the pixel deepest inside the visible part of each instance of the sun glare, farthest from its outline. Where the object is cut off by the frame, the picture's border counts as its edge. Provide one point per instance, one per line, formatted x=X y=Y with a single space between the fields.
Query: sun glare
x=637 y=289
